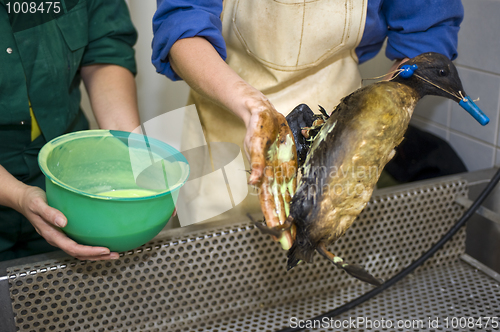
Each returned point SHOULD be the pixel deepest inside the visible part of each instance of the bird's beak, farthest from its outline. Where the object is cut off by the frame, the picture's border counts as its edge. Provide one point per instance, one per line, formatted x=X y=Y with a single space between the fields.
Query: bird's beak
x=468 y=105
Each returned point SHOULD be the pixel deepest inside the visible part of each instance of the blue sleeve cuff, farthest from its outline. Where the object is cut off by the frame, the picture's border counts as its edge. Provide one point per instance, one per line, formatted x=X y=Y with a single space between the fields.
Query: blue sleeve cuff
x=177 y=19
x=430 y=26
x=412 y=27
x=440 y=39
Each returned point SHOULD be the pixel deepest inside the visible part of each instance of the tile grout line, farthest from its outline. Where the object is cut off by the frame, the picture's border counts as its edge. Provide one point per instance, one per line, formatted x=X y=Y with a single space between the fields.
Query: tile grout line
x=453 y=131
x=476 y=69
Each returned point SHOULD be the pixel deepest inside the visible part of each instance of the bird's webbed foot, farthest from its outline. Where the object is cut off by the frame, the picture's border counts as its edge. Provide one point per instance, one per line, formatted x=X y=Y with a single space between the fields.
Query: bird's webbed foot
x=277 y=230
x=354 y=270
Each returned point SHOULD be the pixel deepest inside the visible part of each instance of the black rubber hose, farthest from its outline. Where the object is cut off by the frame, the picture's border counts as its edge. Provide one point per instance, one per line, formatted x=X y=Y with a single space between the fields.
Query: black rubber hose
x=368 y=295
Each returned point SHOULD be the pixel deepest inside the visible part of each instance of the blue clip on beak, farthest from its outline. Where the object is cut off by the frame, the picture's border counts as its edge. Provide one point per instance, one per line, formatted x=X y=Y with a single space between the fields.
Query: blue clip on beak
x=468 y=105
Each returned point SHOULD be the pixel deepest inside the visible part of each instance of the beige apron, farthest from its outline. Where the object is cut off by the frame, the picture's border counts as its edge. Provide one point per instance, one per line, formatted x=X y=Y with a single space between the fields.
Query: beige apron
x=294 y=52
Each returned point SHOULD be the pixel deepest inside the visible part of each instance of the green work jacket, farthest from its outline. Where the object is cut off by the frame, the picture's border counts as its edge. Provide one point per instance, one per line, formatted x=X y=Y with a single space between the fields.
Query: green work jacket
x=41 y=52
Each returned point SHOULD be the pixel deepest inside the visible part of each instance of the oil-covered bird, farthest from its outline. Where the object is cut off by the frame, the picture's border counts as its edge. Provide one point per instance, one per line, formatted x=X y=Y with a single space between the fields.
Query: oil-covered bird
x=348 y=154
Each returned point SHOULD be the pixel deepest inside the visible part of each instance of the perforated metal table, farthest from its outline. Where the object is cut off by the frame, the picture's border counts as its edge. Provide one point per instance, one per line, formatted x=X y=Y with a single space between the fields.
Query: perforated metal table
x=229 y=277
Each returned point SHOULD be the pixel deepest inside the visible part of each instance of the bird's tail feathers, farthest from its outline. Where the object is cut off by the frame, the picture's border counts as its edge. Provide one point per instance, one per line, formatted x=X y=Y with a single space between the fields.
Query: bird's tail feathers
x=301 y=250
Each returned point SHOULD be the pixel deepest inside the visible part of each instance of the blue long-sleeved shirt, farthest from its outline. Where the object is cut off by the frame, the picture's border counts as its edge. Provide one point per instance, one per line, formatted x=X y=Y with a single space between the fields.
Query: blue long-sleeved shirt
x=411 y=27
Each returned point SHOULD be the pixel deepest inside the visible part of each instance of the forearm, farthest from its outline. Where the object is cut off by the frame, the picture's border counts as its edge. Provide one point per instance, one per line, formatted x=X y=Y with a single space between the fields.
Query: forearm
x=113 y=96
x=199 y=64
x=10 y=189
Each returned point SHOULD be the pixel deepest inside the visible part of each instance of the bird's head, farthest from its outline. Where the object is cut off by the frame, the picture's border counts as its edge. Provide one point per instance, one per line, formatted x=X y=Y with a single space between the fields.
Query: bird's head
x=435 y=74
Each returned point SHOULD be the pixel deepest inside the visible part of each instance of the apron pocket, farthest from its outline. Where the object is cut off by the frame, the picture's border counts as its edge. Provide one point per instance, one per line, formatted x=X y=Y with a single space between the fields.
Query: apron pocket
x=307 y=31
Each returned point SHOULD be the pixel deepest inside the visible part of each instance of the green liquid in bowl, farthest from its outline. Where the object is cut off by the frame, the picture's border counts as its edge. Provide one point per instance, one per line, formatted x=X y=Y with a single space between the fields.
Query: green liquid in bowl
x=128 y=193
x=117 y=189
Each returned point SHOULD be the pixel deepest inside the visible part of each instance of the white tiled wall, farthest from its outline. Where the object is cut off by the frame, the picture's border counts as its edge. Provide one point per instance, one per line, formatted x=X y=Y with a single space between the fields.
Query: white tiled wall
x=476 y=154
x=479 y=68
x=434 y=109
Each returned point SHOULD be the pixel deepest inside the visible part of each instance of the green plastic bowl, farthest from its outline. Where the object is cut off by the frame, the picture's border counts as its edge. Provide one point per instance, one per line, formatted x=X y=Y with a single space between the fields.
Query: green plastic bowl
x=117 y=189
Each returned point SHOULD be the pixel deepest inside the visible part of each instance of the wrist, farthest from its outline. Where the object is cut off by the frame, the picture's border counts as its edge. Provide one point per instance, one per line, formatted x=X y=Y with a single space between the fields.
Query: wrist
x=18 y=195
x=13 y=196
x=249 y=102
x=12 y=190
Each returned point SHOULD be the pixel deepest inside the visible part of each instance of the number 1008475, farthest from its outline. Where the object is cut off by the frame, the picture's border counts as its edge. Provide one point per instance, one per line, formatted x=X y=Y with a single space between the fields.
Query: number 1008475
x=46 y=7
